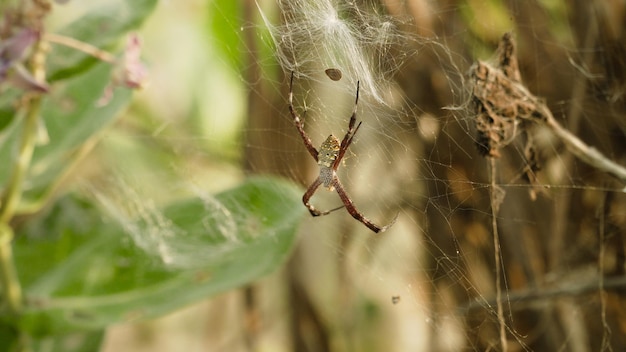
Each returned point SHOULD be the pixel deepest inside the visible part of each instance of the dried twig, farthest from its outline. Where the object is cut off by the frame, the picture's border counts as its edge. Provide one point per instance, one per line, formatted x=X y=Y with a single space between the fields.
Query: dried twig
x=585 y=283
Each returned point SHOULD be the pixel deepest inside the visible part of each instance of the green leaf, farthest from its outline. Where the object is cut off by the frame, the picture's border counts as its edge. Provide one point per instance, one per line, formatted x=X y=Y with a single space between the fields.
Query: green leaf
x=102 y=27
x=71 y=116
x=70 y=113
x=81 y=270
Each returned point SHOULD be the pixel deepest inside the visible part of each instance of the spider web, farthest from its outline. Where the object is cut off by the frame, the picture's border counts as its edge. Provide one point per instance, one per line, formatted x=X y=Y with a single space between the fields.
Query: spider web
x=429 y=282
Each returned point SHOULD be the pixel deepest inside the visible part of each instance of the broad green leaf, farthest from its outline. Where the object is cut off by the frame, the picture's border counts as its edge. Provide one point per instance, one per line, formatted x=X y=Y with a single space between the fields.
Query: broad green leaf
x=71 y=115
x=102 y=27
x=82 y=270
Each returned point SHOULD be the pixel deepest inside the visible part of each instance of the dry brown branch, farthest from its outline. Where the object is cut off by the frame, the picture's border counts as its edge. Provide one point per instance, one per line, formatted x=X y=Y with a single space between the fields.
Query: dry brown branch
x=584 y=284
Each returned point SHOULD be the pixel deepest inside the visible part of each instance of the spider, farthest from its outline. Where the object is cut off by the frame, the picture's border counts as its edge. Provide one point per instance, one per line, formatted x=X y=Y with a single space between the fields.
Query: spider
x=329 y=158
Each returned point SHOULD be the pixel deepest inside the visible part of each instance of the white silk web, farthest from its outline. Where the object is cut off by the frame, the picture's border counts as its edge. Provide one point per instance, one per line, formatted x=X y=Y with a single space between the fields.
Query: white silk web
x=428 y=283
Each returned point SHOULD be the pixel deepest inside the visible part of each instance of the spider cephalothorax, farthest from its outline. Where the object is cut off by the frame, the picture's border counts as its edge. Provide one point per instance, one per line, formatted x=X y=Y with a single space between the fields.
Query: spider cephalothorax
x=329 y=158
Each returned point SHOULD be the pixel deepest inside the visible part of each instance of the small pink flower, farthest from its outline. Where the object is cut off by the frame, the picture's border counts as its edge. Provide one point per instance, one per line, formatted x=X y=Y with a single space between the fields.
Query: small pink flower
x=133 y=71
x=129 y=70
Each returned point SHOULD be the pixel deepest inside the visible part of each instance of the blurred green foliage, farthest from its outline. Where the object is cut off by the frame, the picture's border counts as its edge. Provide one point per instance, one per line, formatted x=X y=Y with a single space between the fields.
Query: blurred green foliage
x=81 y=270
x=83 y=266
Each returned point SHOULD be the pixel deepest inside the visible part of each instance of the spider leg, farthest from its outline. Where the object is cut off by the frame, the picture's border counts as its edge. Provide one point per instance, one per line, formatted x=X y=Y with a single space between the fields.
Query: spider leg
x=347 y=139
x=355 y=213
x=307 y=196
x=298 y=122
x=344 y=146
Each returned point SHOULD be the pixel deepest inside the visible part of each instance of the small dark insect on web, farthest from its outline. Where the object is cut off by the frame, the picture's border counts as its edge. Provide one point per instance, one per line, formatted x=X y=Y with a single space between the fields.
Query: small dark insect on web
x=333 y=73
x=329 y=158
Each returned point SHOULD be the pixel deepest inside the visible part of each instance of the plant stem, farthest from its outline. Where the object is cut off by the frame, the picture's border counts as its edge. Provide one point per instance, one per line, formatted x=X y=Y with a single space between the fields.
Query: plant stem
x=11 y=288
x=81 y=46
x=496 y=199
x=587 y=154
x=13 y=193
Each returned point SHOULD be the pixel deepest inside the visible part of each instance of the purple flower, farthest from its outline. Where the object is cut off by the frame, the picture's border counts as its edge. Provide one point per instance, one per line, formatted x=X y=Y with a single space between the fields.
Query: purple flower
x=12 y=52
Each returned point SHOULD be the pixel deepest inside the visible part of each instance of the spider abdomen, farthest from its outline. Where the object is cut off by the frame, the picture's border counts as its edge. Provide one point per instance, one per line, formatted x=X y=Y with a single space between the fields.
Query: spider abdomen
x=327 y=174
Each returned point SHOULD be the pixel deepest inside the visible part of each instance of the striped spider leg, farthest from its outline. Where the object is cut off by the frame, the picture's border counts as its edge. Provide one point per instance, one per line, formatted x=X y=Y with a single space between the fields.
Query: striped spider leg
x=329 y=158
